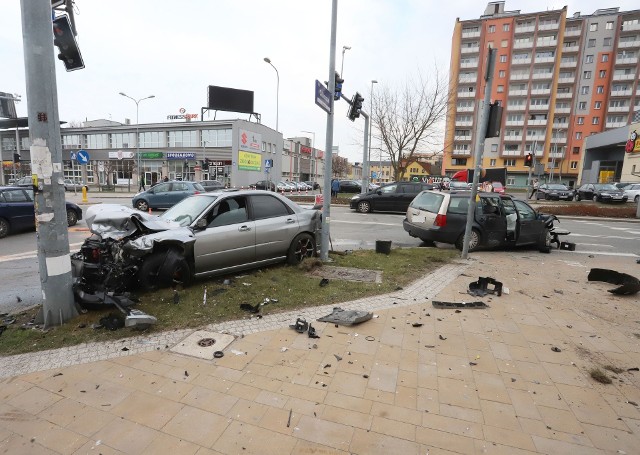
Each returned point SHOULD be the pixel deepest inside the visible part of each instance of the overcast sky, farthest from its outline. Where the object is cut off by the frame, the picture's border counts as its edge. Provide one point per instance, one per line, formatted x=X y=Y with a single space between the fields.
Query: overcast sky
x=175 y=49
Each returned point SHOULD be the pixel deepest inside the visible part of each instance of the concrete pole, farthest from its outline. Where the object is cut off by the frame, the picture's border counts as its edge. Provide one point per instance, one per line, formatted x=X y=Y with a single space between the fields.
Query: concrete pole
x=46 y=163
x=366 y=174
x=328 y=165
x=481 y=131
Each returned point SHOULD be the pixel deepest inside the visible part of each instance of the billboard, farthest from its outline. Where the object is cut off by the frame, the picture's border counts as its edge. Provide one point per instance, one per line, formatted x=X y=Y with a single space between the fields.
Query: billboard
x=230 y=99
x=248 y=161
x=7 y=106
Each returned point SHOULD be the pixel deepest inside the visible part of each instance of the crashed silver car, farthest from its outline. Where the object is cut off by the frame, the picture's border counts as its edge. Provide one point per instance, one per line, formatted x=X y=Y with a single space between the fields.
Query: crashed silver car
x=203 y=235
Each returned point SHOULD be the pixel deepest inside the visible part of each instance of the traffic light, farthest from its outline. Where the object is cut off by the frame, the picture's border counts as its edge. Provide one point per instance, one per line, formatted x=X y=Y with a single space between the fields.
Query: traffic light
x=338 y=91
x=205 y=165
x=66 y=43
x=356 y=107
x=528 y=160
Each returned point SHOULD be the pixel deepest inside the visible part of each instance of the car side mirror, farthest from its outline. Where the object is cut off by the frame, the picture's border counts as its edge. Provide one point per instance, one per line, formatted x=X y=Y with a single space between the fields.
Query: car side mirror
x=201 y=223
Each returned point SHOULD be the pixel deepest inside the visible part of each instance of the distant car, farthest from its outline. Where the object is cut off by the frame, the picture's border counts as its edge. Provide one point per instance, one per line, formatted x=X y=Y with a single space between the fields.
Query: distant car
x=70 y=185
x=25 y=181
x=554 y=191
x=212 y=185
x=600 y=192
x=17 y=212
x=349 y=186
x=497 y=187
x=632 y=192
x=165 y=194
x=392 y=197
x=283 y=186
x=313 y=185
x=500 y=221
x=264 y=185
x=623 y=185
x=455 y=185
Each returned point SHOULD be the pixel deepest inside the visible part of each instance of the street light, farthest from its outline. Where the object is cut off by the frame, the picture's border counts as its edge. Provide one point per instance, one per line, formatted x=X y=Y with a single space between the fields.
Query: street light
x=313 y=142
x=137 y=101
x=268 y=60
x=344 y=49
x=373 y=81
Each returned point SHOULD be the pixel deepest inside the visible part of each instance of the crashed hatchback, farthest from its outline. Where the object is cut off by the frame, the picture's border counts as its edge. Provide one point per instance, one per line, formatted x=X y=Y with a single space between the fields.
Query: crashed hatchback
x=203 y=235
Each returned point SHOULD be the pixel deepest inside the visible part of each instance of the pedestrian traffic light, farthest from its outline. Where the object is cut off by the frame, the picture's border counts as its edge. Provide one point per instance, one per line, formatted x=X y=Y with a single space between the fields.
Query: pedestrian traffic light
x=528 y=160
x=356 y=107
x=65 y=42
x=338 y=87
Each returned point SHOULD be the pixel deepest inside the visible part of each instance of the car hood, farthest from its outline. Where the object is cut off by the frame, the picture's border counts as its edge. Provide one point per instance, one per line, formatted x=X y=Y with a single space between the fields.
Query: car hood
x=113 y=221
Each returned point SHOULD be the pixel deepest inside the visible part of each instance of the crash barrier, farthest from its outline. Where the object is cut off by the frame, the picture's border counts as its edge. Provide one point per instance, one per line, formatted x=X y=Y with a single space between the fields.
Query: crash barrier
x=383 y=246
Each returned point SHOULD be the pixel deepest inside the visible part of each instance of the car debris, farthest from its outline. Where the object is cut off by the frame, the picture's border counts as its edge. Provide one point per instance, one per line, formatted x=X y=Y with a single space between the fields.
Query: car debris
x=346 y=317
x=481 y=287
x=300 y=326
x=312 y=332
x=629 y=285
x=449 y=305
x=324 y=282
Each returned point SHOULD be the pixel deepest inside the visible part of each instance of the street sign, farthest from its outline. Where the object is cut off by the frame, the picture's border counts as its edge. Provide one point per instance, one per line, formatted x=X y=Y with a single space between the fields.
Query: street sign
x=268 y=164
x=73 y=156
x=323 y=97
x=82 y=157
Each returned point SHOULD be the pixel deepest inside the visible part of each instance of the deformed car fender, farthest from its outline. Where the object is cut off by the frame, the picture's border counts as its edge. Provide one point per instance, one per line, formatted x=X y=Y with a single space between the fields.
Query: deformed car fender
x=140 y=246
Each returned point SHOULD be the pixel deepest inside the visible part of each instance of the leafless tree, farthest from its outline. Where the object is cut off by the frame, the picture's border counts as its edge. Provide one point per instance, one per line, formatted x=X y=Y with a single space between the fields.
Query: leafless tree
x=339 y=166
x=407 y=120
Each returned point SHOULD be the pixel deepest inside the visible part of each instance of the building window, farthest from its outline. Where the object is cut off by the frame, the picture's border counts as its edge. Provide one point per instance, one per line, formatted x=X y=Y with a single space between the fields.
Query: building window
x=492 y=163
x=492 y=28
x=494 y=147
x=97 y=141
x=501 y=73
x=69 y=141
x=600 y=89
x=593 y=27
x=595 y=120
x=511 y=181
x=503 y=59
x=607 y=42
x=609 y=25
x=580 y=121
x=264 y=146
x=605 y=57
x=459 y=162
x=586 y=75
x=584 y=89
x=509 y=163
x=582 y=105
x=216 y=138
x=122 y=140
x=183 y=138
x=588 y=58
x=576 y=150
x=505 y=27
x=579 y=135
x=602 y=74
x=574 y=165
x=597 y=105
x=500 y=88
x=152 y=139
x=591 y=43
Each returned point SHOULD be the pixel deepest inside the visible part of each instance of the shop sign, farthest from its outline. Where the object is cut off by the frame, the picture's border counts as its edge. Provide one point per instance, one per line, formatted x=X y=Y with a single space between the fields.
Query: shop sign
x=181 y=155
x=182 y=116
x=151 y=155
x=120 y=155
x=633 y=144
x=249 y=141
x=305 y=149
x=319 y=154
x=249 y=161
x=219 y=162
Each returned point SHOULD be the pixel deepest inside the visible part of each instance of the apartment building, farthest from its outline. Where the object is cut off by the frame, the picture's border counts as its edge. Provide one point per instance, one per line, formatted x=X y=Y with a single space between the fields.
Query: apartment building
x=559 y=78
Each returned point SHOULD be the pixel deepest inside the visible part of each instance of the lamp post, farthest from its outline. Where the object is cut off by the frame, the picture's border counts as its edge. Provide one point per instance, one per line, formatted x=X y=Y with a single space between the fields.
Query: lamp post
x=373 y=81
x=137 y=101
x=268 y=60
x=344 y=49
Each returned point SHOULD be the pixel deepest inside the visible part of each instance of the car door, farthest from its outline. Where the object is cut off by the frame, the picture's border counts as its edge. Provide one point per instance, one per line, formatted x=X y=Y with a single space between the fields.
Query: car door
x=408 y=192
x=529 y=226
x=385 y=197
x=17 y=207
x=179 y=191
x=589 y=191
x=275 y=224
x=229 y=239
x=490 y=217
x=158 y=195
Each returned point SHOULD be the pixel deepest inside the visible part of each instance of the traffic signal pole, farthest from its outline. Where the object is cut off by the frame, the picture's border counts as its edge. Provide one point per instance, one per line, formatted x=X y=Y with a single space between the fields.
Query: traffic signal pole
x=46 y=164
x=328 y=166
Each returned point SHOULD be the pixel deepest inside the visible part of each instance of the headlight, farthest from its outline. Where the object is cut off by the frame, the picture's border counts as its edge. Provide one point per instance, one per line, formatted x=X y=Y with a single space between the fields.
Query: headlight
x=357 y=196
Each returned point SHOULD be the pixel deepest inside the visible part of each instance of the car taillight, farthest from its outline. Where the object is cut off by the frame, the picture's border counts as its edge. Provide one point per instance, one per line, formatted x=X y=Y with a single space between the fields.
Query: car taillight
x=196 y=192
x=441 y=220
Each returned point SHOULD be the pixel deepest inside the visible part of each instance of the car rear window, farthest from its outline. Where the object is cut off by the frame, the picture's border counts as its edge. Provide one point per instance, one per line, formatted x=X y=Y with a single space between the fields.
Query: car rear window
x=198 y=187
x=428 y=201
x=458 y=205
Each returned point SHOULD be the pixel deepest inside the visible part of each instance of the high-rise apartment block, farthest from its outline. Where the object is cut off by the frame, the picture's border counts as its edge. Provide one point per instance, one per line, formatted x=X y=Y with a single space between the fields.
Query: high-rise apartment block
x=560 y=78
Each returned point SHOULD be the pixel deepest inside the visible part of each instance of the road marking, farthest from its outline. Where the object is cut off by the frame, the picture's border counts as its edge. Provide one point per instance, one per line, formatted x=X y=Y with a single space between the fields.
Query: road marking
x=32 y=254
x=360 y=222
x=602 y=253
x=603 y=236
x=595 y=244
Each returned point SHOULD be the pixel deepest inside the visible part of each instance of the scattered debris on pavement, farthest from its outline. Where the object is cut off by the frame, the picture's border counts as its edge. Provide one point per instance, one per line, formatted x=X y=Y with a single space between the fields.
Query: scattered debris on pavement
x=346 y=317
x=449 y=305
x=556 y=349
x=481 y=287
x=300 y=326
x=628 y=284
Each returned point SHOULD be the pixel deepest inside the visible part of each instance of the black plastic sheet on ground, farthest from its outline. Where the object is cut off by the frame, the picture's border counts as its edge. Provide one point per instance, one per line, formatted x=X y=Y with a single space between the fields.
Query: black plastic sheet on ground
x=628 y=284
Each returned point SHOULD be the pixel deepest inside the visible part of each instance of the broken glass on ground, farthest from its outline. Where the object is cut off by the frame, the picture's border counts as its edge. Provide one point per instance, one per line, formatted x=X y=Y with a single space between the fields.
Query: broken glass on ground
x=446 y=305
x=346 y=317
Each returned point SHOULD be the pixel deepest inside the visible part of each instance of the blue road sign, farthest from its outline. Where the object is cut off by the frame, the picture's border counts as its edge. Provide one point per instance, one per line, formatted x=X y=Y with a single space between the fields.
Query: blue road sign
x=83 y=157
x=323 y=97
x=73 y=156
x=268 y=163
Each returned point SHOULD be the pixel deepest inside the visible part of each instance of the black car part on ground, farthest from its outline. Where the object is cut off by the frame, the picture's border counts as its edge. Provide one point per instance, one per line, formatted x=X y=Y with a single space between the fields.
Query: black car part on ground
x=481 y=287
x=447 y=305
x=346 y=317
x=628 y=284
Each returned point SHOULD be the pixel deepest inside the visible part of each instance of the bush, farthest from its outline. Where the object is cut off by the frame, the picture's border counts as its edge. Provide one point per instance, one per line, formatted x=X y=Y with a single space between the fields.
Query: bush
x=589 y=209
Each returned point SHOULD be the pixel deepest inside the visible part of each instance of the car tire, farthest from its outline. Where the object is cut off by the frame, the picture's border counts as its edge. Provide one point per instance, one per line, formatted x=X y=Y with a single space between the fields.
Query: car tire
x=427 y=242
x=544 y=245
x=637 y=198
x=474 y=241
x=303 y=246
x=5 y=227
x=546 y=197
x=72 y=217
x=163 y=269
x=364 y=207
x=142 y=205
x=595 y=198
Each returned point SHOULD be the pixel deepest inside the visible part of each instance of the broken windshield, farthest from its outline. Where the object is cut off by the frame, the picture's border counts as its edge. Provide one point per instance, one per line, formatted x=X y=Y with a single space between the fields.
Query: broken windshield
x=187 y=210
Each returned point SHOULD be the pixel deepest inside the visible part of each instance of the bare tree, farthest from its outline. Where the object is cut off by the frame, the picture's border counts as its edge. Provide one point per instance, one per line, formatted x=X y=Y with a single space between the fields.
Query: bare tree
x=339 y=166
x=408 y=119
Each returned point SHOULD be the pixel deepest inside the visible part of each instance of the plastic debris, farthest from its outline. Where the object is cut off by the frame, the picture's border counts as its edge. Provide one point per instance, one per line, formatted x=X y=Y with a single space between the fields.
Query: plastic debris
x=481 y=287
x=628 y=284
x=346 y=317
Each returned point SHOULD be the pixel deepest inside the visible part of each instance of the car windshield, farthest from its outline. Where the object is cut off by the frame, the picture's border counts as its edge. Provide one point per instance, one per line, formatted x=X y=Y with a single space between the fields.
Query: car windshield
x=187 y=210
x=557 y=186
x=605 y=187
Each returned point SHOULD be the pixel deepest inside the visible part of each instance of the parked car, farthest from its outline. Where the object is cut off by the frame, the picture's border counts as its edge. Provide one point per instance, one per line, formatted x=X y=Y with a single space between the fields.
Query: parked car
x=455 y=185
x=498 y=187
x=557 y=191
x=17 y=212
x=165 y=194
x=212 y=185
x=349 y=186
x=600 y=192
x=392 y=197
x=25 y=181
x=205 y=234
x=282 y=187
x=632 y=192
x=500 y=221
x=623 y=185
x=313 y=185
x=264 y=185
x=70 y=185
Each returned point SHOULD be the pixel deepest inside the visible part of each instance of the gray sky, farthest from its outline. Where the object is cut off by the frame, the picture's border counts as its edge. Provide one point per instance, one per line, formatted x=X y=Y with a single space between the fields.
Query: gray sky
x=174 y=50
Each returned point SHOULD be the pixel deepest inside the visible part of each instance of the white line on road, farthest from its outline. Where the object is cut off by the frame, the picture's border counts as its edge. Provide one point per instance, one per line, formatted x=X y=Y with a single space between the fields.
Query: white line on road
x=595 y=244
x=601 y=253
x=360 y=222
x=603 y=236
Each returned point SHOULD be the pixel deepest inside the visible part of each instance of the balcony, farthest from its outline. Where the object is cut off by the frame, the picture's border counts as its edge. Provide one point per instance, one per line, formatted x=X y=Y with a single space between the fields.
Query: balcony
x=545 y=60
x=619 y=109
x=541 y=91
x=546 y=42
x=523 y=45
x=519 y=76
x=535 y=137
x=559 y=140
x=516 y=107
x=537 y=122
x=568 y=64
x=564 y=95
x=464 y=123
x=511 y=152
x=465 y=109
x=615 y=124
x=541 y=75
x=572 y=32
x=566 y=80
x=628 y=44
x=515 y=123
x=466 y=94
x=468 y=79
x=624 y=77
x=461 y=153
x=570 y=49
x=621 y=92
x=471 y=34
x=470 y=50
x=560 y=126
x=556 y=155
x=518 y=92
x=525 y=28
x=521 y=61
x=562 y=110
x=626 y=60
x=513 y=138
x=469 y=64
x=553 y=26
x=630 y=27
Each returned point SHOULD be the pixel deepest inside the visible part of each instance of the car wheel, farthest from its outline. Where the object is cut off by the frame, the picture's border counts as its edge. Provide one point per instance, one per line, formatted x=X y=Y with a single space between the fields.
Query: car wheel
x=544 y=245
x=142 y=205
x=595 y=198
x=427 y=242
x=72 y=218
x=303 y=246
x=546 y=197
x=474 y=240
x=4 y=228
x=163 y=269
x=364 y=206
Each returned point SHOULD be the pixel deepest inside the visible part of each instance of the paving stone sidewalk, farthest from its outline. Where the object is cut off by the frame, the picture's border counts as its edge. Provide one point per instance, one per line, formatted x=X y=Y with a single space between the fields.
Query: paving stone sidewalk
x=413 y=380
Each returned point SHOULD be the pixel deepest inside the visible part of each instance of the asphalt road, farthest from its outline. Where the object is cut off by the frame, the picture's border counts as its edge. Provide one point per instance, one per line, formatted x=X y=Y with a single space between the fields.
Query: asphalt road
x=349 y=231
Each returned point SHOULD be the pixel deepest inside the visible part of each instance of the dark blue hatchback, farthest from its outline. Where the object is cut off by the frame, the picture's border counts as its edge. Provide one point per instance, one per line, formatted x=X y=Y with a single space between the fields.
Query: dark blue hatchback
x=166 y=194
x=17 y=212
